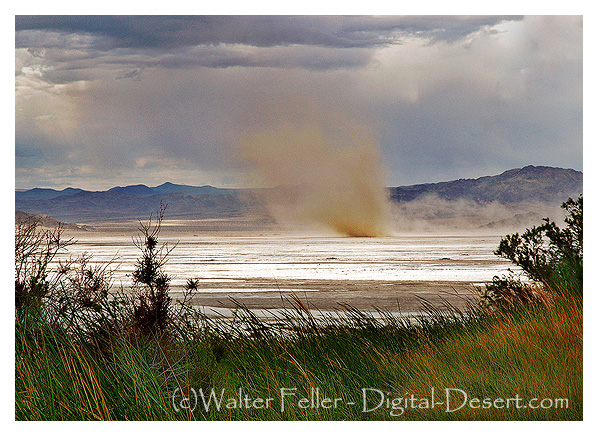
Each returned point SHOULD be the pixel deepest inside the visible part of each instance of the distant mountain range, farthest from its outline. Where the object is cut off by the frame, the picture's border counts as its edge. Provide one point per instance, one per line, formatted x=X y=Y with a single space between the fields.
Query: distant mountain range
x=528 y=184
x=136 y=202
x=538 y=184
x=137 y=190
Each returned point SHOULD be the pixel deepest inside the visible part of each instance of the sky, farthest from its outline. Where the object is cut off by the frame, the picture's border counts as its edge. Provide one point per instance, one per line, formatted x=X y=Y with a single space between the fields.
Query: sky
x=102 y=101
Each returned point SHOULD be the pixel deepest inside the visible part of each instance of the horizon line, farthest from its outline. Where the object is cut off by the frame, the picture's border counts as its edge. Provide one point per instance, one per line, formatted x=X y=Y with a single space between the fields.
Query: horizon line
x=261 y=188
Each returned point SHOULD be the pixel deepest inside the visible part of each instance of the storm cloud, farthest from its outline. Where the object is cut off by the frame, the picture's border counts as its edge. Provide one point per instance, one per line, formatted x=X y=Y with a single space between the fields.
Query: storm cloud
x=168 y=32
x=103 y=101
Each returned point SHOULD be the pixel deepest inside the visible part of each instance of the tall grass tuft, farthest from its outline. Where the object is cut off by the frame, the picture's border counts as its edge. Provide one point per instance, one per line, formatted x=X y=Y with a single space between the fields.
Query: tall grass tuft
x=532 y=351
x=58 y=377
x=85 y=353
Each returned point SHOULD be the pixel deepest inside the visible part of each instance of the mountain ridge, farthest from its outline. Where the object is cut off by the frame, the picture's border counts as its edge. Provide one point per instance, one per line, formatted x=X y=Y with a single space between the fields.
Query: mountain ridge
x=541 y=183
x=137 y=189
x=527 y=184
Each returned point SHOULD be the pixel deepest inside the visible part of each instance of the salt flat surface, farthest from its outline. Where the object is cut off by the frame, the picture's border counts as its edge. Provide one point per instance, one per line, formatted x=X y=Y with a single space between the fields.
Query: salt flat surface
x=235 y=262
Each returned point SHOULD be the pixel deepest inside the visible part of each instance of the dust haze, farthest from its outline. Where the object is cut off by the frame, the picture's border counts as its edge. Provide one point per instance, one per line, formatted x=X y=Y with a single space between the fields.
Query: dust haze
x=323 y=164
x=433 y=214
x=322 y=167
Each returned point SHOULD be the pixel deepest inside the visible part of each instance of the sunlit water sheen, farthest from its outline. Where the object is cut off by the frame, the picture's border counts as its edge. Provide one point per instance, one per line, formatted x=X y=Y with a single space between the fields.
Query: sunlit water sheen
x=229 y=260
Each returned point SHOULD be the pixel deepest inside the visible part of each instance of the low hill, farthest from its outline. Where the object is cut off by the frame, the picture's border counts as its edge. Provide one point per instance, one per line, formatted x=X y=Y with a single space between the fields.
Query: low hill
x=47 y=222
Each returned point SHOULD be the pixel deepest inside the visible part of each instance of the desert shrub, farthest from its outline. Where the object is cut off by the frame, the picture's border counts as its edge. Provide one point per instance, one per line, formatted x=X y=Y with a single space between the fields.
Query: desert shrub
x=35 y=248
x=192 y=284
x=71 y=296
x=77 y=296
x=87 y=284
x=81 y=303
x=509 y=290
x=150 y=282
x=546 y=254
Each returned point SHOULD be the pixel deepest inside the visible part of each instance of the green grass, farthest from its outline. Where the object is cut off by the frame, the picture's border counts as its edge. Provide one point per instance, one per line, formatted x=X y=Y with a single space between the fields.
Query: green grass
x=530 y=351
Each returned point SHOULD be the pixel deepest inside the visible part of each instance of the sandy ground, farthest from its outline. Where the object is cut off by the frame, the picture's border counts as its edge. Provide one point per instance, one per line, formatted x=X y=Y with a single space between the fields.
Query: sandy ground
x=329 y=295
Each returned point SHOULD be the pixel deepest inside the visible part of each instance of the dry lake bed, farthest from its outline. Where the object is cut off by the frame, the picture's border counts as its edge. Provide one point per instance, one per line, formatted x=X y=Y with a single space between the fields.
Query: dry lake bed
x=263 y=269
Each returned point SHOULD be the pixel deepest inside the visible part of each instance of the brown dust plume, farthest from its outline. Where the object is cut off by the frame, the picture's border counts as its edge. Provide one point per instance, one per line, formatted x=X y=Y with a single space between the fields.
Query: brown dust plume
x=325 y=170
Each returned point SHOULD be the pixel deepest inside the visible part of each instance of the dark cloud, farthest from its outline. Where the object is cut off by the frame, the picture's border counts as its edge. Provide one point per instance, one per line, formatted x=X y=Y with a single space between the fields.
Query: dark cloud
x=116 y=100
x=311 y=42
x=167 y=32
